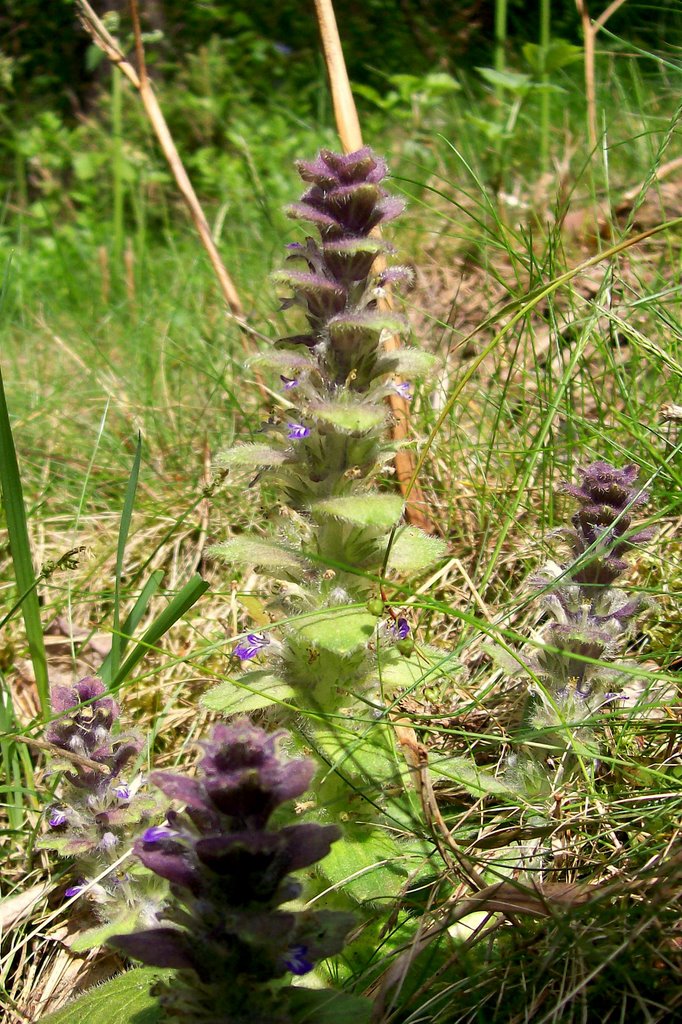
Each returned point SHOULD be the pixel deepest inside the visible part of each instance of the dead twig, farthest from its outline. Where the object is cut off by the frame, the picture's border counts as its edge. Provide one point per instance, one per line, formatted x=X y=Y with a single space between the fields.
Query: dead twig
x=590 y=29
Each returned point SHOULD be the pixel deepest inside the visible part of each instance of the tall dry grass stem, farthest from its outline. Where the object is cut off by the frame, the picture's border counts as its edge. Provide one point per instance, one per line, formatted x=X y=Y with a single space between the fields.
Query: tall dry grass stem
x=590 y=30
x=108 y=45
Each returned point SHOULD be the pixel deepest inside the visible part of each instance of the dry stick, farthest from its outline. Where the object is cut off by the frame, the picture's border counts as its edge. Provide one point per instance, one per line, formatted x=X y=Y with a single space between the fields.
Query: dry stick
x=589 y=33
x=94 y=27
x=108 y=45
x=348 y=126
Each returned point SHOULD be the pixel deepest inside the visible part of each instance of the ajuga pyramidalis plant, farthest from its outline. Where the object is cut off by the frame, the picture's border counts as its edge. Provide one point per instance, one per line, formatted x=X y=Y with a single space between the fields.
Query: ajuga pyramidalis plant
x=576 y=665
x=100 y=810
x=224 y=927
x=334 y=536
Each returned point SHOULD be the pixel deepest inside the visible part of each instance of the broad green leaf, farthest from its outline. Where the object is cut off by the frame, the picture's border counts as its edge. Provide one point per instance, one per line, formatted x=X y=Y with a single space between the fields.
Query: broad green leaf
x=353 y=246
x=283 y=359
x=410 y=362
x=370 y=756
x=513 y=80
x=123 y=1000
x=352 y=418
x=341 y=630
x=370 y=865
x=438 y=83
x=397 y=674
x=412 y=550
x=380 y=511
x=546 y=59
x=250 y=692
x=247 y=550
x=345 y=327
x=323 y=1006
x=469 y=776
x=97 y=936
x=251 y=455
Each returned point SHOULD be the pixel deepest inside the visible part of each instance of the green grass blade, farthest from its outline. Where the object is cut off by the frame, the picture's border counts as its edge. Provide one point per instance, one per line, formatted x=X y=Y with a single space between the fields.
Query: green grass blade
x=124 y=529
x=132 y=621
x=20 y=549
x=181 y=603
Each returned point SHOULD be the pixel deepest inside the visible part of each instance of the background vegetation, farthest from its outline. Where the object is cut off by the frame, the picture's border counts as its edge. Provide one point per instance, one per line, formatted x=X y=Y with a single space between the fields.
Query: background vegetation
x=113 y=326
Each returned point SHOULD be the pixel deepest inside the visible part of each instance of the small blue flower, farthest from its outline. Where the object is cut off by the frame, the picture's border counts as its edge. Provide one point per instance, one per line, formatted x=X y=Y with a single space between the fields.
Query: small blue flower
x=122 y=792
x=297 y=431
x=288 y=382
x=297 y=961
x=400 y=628
x=108 y=841
x=57 y=818
x=250 y=647
x=74 y=890
x=404 y=389
x=156 y=833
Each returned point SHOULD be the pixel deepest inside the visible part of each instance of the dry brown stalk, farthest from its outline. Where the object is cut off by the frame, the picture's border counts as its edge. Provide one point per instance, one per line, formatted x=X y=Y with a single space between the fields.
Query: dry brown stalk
x=590 y=30
x=350 y=134
x=106 y=42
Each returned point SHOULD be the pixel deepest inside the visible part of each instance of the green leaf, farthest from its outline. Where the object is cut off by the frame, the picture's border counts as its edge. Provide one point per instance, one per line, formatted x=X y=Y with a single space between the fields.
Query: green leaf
x=181 y=603
x=91 y=938
x=246 y=550
x=413 y=550
x=559 y=54
x=397 y=674
x=123 y=1000
x=133 y=620
x=375 y=97
x=323 y=1006
x=341 y=630
x=353 y=246
x=469 y=776
x=252 y=691
x=369 y=865
x=352 y=418
x=251 y=455
x=20 y=549
x=380 y=511
x=513 y=80
x=283 y=359
x=438 y=83
x=345 y=328
x=65 y=846
x=409 y=362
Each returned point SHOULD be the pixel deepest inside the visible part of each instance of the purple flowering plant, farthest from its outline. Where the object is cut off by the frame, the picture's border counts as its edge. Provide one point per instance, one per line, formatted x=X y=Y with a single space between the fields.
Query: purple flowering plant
x=99 y=811
x=339 y=654
x=231 y=926
x=322 y=457
x=590 y=616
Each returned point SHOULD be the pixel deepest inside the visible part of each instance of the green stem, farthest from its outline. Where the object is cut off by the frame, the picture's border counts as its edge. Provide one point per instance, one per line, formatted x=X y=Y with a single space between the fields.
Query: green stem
x=117 y=165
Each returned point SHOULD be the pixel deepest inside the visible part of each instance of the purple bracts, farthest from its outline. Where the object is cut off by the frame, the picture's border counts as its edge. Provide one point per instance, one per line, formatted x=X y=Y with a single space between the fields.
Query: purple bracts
x=229 y=873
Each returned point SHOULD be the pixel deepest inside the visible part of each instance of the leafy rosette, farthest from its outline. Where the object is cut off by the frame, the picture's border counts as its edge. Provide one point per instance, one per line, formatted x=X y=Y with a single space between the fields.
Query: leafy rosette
x=230 y=873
